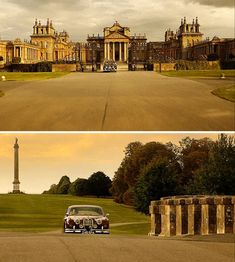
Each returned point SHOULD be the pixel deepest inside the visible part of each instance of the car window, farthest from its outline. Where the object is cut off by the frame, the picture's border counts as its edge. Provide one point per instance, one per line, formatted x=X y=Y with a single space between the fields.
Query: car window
x=86 y=211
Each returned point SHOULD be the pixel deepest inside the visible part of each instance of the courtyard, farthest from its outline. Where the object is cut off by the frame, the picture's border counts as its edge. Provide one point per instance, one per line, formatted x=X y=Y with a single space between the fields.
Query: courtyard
x=123 y=101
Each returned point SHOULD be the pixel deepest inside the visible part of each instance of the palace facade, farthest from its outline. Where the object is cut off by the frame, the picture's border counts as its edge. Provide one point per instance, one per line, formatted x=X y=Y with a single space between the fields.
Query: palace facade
x=45 y=45
x=117 y=43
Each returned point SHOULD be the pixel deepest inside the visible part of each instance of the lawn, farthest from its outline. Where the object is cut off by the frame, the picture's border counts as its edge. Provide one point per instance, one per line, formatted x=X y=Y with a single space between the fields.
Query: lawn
x=41 y=213
x=227 y=92
x=31 y=76
x=199 y=73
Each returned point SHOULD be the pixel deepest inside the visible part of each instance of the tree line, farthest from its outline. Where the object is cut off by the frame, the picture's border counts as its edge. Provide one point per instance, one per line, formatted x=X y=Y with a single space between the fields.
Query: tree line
x=154 y=170
x=98 y=184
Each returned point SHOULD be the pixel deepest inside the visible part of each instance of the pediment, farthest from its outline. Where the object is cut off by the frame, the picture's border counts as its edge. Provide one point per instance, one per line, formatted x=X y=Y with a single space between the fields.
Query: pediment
x=116 y=35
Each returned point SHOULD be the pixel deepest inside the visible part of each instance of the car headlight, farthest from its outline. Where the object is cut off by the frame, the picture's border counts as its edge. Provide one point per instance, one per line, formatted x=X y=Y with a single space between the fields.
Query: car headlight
x=77 y=221
x=99 y=221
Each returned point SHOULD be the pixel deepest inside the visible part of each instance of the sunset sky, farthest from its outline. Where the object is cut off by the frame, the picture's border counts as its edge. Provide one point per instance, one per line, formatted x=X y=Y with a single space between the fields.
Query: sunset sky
x=82 y=17
x=45 y=158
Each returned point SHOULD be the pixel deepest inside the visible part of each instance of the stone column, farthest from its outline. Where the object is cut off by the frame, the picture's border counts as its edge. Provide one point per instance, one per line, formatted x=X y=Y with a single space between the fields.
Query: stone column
x=181 y=217
x=168 y=217
x=16 y=182
x=204 y=216
x=120 y=51
x=108 y=51
x=105 y=51
x=125 y=48
x=155 y=218
x=113 y=51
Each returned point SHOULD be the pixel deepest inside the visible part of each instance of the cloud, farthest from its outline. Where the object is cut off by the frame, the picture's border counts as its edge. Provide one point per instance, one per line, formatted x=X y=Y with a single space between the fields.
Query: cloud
x=216 y=3
x=82 y=17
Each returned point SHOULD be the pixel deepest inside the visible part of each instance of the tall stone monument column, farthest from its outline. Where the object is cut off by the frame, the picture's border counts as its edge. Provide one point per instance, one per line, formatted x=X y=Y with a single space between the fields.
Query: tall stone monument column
x=16 y=182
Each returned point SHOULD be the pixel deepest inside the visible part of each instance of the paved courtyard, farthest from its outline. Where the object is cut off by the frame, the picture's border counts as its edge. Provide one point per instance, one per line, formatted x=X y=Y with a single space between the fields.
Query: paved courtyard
x=123 y=101
x=88 y=248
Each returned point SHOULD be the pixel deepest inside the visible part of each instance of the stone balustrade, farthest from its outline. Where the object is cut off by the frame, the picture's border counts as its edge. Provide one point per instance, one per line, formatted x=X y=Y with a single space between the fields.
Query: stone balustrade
x=193 y=215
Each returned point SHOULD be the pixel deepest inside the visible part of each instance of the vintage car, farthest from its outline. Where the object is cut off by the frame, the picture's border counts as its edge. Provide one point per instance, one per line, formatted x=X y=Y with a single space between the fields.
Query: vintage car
x=86 y=219
x=109 y=66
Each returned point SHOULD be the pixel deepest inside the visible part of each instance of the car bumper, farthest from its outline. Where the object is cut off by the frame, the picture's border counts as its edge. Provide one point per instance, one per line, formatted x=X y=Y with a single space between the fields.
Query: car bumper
x=85 y=231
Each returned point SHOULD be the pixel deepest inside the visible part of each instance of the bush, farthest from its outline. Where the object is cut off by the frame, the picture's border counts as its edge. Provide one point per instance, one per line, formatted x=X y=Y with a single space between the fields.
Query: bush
x=196 y=65
x=212 y=57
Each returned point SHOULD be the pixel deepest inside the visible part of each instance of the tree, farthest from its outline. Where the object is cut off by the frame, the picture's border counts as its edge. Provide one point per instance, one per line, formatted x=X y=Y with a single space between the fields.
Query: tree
x=63 y=186
x=79 y=187
x=137 y=156
x=99 y=184
x=193 y=154
x=158 y=179
x=217 y=175
x=52 y=190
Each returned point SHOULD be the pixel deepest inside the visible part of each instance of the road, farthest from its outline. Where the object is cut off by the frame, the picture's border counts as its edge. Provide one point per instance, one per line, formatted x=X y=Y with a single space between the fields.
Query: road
x=123 y=101
x=88 y=248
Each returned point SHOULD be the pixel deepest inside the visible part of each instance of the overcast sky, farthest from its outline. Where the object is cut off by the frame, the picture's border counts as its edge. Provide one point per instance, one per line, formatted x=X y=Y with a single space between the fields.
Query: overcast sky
x=45 y=158
x=82 y=17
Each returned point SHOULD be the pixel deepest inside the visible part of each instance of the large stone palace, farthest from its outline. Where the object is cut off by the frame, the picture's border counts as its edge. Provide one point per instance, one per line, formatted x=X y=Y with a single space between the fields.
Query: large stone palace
x=118 y=44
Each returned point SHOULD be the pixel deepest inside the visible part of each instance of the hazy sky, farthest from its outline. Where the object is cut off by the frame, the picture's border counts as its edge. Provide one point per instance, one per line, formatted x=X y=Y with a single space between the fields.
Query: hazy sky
x=82 y=17
x=45 y=158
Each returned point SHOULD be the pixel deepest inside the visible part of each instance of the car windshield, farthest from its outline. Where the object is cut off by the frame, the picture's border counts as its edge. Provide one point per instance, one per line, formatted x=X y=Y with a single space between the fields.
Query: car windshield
x=85 y=211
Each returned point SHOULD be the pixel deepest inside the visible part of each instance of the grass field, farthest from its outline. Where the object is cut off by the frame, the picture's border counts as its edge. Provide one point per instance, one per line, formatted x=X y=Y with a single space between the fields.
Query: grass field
x=41 y=213
x=31 y=76
x=199 y=73
x=227 y=92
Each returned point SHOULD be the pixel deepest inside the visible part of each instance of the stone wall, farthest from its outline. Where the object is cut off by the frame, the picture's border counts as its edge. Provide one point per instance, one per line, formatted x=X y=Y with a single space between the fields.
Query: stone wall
x=193 y=215
x=64 y=68
x=161 y=67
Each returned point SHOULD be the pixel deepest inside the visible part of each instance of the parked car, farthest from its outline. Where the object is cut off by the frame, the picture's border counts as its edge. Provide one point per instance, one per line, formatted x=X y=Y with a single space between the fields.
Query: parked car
x=86 y=219
x=109 y=66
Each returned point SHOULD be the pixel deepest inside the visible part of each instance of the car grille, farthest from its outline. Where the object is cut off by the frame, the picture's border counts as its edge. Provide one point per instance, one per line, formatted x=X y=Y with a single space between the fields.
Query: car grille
x=87 y=222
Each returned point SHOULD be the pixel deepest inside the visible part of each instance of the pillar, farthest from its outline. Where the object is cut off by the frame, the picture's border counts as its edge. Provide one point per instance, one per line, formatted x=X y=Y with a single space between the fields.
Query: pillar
x=125 y=48
x=105 y=51
x=120 y=51
x=113 y=51
x=108 y=51
x=181 y=217
x=16 y=183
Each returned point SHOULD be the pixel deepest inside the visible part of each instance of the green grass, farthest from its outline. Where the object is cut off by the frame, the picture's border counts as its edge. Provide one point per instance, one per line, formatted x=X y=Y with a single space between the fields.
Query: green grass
x=227 y=92
x=31 y=76
x=199 y=73
x=41 y=213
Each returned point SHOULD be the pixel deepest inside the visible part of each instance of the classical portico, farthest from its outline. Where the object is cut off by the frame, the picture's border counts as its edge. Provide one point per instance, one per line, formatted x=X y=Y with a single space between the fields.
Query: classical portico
x=116 y=50
x=115 y=44
x=116 y=41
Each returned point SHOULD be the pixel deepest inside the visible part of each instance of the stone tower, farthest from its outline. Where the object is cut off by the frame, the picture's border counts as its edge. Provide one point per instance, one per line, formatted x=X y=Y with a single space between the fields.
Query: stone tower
x=44 y=36
x=189 y=34
x=16 y=182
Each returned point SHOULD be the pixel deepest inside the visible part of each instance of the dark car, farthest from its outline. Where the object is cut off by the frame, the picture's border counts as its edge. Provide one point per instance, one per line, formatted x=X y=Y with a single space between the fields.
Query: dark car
x=86 y=219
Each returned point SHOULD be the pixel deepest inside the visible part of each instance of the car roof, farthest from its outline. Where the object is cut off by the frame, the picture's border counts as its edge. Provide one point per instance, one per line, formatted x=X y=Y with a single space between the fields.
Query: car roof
x=84 y=206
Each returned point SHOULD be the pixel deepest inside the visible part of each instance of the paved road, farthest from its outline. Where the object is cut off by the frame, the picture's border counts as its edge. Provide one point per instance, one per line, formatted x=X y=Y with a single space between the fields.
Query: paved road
x=89 y=248
x=125 y=101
